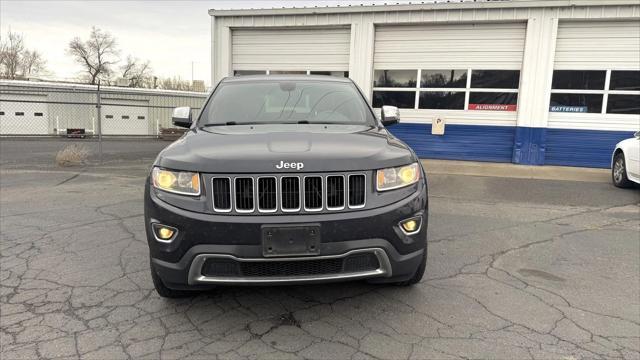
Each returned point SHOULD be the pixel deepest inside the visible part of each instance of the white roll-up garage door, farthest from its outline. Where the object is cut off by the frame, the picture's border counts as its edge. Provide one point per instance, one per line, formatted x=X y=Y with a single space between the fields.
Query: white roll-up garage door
x=589 y=45
x=24 y=115
x=125 y=117
x=291 y=49
x=476 y=46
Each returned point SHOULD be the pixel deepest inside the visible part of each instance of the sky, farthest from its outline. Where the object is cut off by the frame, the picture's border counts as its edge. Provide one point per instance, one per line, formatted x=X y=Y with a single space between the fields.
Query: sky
x=173 y=35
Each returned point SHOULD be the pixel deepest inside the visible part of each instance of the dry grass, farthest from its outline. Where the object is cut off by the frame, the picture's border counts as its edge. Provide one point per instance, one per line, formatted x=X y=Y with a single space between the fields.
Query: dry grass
x=72 y=154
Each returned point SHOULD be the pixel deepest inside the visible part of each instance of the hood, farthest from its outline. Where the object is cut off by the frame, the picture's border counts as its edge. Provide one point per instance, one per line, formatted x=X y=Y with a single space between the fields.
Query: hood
x=265 y=148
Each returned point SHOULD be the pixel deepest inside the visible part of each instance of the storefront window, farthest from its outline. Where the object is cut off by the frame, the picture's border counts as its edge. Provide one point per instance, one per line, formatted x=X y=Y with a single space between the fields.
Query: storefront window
x=443 y=78
x=394 y=78
x=441 y=100
x=401 y=99
x=495 y=79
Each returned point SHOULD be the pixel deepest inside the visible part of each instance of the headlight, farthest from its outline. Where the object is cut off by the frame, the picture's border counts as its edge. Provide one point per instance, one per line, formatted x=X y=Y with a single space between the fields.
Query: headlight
x=179 y=182
x=394 y=178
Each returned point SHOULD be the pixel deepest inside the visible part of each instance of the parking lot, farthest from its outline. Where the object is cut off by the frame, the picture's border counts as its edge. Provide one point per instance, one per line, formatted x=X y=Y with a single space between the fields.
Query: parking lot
x=518 y=268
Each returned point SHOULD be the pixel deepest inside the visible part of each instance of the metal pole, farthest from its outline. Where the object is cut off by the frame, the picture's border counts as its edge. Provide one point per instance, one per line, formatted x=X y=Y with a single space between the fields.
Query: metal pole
x=99 y=124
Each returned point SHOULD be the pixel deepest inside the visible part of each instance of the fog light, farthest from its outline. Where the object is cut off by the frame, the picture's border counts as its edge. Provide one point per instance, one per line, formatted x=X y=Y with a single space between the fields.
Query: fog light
x=164 y=233
x=411 y=226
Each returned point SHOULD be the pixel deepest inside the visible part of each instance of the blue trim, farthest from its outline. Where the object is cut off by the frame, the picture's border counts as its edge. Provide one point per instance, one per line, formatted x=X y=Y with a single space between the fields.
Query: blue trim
x=529 y=146
x=459 y=142
x=589 y=148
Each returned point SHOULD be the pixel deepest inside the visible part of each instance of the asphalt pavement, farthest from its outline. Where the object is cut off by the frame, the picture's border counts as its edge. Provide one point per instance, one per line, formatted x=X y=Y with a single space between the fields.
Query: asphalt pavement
x=518 y=268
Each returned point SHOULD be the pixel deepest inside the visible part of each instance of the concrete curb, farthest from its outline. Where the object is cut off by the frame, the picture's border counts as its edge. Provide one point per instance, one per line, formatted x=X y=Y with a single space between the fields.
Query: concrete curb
x=471 y=168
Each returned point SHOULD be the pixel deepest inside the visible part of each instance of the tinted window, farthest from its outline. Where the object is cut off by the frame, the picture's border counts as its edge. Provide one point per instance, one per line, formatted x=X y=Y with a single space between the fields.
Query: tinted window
x=249 y=72
x=441 y=100
x=625 y=80
x=495 y=79
x=38 y=114
x=20 y=113
x=296 y=72
x=140 y=117
x=578 y=79
x=623 y=104
x=395 y=78
x=401 y=99
x=493 y=98
x=125 y=117
x=443 y=78
x=1 y=112
x=109 y=116
x=278 y=102
x=591 y=103
x=331 y=73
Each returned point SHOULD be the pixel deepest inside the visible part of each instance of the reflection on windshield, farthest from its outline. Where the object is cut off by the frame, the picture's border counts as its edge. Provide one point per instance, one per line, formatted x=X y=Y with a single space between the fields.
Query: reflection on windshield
x=284 y=102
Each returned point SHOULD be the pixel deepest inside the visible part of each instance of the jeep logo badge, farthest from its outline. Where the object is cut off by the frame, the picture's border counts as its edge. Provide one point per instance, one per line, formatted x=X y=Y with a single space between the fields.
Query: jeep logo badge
x=290 y=165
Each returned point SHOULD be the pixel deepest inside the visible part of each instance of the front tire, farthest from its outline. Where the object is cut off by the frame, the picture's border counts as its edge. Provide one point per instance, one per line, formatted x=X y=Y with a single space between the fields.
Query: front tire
x=619 y=172
x=163 y=290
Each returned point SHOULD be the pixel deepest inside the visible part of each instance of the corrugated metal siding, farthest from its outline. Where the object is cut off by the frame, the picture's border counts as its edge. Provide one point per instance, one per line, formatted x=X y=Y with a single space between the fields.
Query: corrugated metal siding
x=291 y=49
x=460 y=142
x=452 y=46
x=588 y=148
x=598 y=45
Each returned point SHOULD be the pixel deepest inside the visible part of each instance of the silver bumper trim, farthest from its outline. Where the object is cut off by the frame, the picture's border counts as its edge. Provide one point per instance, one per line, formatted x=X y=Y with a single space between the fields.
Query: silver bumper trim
x=196 y=276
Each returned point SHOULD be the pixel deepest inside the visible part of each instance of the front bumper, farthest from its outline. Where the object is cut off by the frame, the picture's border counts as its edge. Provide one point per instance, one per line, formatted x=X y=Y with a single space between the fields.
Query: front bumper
x=203 y=237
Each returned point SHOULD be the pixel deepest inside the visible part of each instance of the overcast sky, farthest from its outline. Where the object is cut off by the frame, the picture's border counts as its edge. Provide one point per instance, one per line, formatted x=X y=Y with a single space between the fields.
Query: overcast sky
x=171 y=34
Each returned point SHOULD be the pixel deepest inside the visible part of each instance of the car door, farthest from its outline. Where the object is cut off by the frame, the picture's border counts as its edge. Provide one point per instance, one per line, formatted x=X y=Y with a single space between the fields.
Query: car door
x=633 y=156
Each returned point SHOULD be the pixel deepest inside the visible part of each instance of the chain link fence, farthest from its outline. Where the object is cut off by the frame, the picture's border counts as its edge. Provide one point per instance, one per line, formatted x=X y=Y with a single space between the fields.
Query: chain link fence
x=34 y=109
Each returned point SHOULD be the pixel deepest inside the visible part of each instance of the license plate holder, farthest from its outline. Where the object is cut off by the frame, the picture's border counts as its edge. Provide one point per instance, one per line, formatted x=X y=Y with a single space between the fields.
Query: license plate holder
x=293 y=240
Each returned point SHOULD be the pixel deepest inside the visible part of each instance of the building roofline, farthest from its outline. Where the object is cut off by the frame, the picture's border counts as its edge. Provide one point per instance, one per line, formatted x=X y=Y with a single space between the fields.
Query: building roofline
x=413 y=6
x=85 y=87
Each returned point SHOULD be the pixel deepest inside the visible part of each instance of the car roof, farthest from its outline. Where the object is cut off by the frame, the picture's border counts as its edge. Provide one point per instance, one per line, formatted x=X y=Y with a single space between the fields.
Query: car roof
x=285 y=77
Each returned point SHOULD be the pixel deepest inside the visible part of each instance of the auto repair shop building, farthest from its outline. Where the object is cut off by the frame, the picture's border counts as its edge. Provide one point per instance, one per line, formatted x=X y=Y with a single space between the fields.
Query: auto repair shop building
x=522 y=81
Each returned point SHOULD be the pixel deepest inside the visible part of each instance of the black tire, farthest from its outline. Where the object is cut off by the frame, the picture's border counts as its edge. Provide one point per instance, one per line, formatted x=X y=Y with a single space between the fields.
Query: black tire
x=419 y=273
x=619 y=171
x=164 y=291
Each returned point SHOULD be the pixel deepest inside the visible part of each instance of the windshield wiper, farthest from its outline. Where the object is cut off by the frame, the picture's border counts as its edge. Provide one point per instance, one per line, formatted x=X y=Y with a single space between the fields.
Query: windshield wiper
x=230 y=123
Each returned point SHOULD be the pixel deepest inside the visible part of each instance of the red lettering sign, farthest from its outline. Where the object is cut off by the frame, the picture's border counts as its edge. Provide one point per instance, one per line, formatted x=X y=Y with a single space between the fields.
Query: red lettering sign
x=493 y=107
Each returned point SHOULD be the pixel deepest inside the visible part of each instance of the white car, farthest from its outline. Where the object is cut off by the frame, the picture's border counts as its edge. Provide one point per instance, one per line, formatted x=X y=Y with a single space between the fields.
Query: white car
x=625 y=163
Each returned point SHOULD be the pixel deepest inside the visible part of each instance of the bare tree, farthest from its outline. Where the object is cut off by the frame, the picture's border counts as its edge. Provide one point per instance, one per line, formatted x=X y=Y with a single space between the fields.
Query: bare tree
x=16 y=61
x=12 y=51
x=138 y=73
x=32 y=63
x=175 y=83
x=97 y=54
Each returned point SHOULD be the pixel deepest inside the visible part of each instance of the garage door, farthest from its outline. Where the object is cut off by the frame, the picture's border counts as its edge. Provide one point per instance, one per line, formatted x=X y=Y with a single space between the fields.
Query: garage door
x=23 y=118
x=466 y=74
x=291 y=50
x=125 y=117
x=595 y=98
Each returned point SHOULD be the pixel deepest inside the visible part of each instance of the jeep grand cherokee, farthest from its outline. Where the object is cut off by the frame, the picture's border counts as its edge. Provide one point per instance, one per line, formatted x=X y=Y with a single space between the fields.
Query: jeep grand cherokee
x=285 y=180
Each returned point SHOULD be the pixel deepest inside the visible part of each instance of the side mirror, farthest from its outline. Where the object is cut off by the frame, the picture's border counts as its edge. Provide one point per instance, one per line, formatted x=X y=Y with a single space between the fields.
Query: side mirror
x=390 y=115
x=181 y=117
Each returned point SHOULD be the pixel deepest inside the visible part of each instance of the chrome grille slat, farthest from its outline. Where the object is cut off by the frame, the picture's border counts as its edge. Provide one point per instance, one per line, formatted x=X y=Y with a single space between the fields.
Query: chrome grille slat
x=335 y=192
x=221 y=192
x=313 y=193
x=357 y=191
x=244 y=193
x=267 y=194
x=288 y=193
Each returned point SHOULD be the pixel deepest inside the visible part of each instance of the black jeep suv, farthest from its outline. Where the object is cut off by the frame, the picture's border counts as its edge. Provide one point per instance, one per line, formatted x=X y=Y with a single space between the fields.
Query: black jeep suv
x=285 y=180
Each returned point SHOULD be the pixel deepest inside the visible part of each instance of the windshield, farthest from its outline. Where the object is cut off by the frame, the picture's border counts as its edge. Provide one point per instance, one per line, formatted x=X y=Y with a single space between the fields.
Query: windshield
x=284 y=102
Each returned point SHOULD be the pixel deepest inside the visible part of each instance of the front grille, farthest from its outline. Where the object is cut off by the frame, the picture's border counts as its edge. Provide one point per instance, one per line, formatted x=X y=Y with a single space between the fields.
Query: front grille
x=288 y=194
x=264 y=269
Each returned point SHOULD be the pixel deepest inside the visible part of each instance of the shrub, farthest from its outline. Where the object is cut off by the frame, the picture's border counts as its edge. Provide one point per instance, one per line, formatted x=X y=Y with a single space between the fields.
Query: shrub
x=73 y=154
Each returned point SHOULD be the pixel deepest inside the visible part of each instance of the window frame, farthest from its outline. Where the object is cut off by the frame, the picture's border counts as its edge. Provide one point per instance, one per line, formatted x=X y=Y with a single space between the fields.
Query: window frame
x=467 y=90
x=604 y=92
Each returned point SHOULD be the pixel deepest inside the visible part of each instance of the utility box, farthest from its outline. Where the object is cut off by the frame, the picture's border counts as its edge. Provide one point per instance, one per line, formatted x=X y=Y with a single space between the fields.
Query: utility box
x=437 y=126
